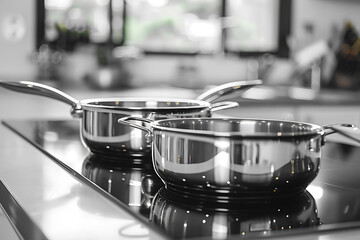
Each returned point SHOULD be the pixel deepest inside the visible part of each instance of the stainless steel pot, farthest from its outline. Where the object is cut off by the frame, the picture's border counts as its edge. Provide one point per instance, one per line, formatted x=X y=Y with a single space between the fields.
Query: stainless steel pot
x=100 y=130
x=236 y=157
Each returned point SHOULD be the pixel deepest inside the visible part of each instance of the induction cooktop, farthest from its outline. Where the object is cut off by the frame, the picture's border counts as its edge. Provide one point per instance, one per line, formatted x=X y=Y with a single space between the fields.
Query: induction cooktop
x=330 y=202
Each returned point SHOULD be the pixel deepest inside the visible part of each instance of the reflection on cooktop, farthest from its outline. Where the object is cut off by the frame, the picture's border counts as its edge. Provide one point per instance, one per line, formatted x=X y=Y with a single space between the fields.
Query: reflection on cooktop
x=332 y=200
x=183 y=217
x=134 y=185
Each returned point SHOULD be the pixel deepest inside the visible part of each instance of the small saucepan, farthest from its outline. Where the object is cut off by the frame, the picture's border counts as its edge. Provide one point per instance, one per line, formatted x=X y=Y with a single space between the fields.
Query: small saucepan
x=230 y=157
x=102 y=134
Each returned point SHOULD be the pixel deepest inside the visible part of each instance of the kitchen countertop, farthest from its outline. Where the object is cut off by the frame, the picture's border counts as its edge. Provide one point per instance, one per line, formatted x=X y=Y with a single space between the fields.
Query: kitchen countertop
x=17 y=157
x=65 y=208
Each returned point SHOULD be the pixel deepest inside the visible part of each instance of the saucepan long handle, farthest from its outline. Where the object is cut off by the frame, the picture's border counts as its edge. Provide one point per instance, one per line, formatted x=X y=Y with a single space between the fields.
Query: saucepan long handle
x=39 y=89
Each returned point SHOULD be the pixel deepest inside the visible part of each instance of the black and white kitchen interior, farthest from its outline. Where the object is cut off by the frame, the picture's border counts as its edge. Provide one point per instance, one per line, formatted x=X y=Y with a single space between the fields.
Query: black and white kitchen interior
x=180 y=119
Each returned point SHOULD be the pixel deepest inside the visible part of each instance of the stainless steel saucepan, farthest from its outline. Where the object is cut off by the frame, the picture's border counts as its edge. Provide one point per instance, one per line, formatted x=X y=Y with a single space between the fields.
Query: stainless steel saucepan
x=234 y=157
x=100 y=130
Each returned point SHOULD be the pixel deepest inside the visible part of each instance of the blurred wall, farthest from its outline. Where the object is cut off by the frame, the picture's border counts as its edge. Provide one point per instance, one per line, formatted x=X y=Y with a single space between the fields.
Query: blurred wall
x=326 y=18
x=191 y=72
x=17 y=39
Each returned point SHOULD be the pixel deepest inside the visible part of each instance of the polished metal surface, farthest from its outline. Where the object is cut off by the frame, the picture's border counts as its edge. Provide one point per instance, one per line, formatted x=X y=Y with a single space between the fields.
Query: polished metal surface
x=228 y=167
x=41 y=90
x=350 y=131
x=239 y=87
x=232 y=157
x=104 y=135
x=167 y=105
x=235 y=127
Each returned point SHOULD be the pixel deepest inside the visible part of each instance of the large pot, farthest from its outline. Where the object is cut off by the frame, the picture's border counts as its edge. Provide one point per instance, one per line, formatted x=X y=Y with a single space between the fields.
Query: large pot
x=232 y=157
x=100 y=130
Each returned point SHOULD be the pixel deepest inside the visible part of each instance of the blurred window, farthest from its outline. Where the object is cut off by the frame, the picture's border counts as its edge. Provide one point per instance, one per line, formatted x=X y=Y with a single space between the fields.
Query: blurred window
x=252 y=25
x=71 y=22
x=182 y=26
x=247 y=27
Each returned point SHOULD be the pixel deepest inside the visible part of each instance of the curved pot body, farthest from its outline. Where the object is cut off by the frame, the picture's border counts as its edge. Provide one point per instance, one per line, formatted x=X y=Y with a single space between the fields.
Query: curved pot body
x=231 y=165
x=103 y=135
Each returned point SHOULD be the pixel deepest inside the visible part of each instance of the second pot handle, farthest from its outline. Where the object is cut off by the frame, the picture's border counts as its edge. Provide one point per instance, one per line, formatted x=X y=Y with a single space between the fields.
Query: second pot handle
x=125 y=121
x=223 y=105
x=227 y=88
x=348 y=130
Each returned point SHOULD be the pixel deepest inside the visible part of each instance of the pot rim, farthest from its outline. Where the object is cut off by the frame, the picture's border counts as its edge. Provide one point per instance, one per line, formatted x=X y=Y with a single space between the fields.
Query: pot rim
x=95 y=104
x=313 y=128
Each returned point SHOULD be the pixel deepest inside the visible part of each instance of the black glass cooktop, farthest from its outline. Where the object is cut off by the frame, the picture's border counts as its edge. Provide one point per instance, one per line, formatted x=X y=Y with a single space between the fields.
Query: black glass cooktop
x=331 y=202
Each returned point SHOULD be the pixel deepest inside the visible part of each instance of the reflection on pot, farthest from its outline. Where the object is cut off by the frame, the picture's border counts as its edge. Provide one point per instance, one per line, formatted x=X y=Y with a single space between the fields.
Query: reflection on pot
x=133 y=184
x=230 y=167
x=185 y=217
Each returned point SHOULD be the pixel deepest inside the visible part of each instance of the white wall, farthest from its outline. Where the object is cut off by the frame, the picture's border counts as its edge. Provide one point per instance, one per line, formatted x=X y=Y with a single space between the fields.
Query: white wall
x=206 y=70
x=16 y=48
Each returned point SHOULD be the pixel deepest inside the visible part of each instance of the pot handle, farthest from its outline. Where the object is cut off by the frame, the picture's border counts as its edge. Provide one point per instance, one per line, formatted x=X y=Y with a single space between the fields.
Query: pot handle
x=216 y=92
x=125 y=121
x=223 y=105
x=39 y=89
x=348 y=130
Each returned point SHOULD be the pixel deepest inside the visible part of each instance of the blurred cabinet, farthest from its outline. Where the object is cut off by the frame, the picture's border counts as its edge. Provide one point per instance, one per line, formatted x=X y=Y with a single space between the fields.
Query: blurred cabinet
x=263 y=112
x=320 y=114
x=323 y=115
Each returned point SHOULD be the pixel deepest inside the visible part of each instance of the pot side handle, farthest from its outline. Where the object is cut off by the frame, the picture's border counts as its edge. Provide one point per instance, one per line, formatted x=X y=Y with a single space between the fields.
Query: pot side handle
x=223 y=105
x=345 y=129
x=39 y=89
x=125 y=121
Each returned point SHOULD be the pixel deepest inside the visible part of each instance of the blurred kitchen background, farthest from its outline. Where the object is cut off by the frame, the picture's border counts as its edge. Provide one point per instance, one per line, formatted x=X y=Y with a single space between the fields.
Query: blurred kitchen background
x=305 y=51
